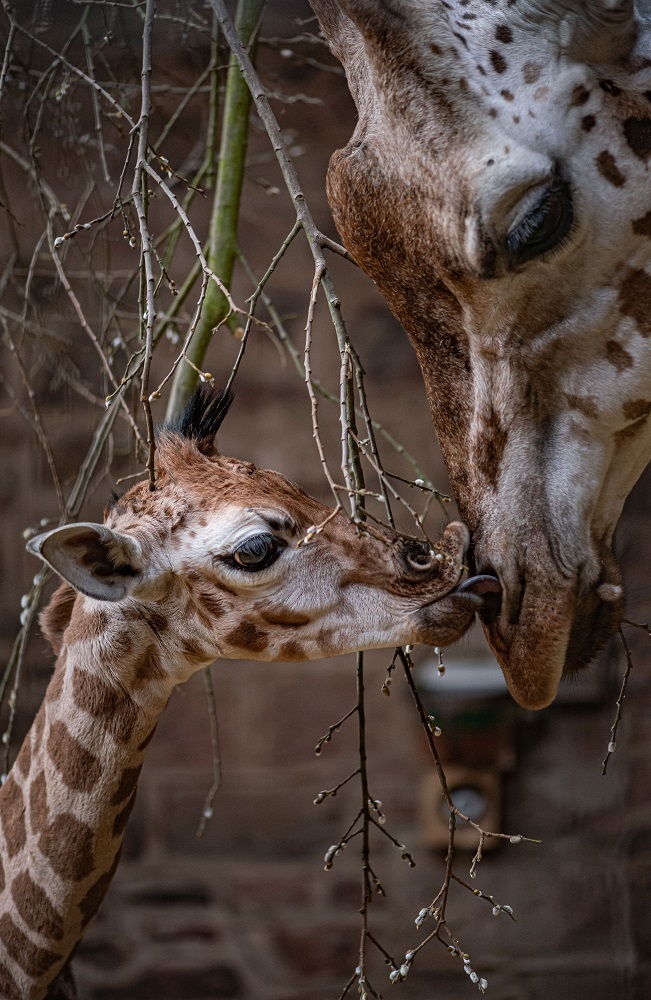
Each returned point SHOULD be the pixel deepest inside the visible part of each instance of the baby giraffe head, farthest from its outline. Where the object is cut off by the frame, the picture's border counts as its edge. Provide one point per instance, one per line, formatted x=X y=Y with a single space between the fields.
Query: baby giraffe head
x=226 y=560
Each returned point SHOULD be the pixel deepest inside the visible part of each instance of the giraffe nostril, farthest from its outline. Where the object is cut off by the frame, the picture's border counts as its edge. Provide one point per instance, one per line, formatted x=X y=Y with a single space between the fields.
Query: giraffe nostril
x=419 y=556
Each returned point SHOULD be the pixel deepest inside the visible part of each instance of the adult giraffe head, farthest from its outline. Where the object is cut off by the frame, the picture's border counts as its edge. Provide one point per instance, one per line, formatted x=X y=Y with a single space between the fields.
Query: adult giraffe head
x=496 y=188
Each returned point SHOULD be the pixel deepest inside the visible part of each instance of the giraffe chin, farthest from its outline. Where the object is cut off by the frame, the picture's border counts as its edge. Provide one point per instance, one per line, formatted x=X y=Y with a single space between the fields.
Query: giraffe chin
x=537 y=653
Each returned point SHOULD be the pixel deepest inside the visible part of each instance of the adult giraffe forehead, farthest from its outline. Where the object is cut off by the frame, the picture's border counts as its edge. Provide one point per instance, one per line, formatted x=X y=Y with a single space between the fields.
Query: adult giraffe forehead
x=589 y=30
x=497 y=190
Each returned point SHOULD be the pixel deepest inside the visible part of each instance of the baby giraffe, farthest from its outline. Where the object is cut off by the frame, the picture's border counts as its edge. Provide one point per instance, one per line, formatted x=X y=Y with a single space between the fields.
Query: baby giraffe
x=207 y=565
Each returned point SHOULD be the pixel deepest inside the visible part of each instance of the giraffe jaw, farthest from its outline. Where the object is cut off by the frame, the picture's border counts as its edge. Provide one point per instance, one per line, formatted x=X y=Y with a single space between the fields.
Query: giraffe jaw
x=558 y=632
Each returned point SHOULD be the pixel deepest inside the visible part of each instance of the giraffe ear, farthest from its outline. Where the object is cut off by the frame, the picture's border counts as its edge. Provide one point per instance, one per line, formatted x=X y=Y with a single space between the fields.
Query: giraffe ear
x=94 y=559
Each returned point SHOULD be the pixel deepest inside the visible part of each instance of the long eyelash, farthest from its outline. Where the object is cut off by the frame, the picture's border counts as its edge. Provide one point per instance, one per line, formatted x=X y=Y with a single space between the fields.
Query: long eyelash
x=517 y=239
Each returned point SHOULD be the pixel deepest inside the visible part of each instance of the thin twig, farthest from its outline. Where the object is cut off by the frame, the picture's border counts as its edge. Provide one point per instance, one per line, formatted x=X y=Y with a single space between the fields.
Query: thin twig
x=207 y=811
x=620 y=701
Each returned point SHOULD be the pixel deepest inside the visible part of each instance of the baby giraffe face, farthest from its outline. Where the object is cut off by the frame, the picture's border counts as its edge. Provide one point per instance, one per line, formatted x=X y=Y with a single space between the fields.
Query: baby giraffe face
x=238 y=562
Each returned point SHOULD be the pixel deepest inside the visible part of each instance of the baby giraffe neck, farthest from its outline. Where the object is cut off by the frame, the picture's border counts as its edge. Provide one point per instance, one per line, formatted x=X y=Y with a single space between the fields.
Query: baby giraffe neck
x=65 y=804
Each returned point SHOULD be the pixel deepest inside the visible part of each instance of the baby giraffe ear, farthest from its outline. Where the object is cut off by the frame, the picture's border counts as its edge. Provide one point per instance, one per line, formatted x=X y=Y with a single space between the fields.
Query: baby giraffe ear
x=94 y=559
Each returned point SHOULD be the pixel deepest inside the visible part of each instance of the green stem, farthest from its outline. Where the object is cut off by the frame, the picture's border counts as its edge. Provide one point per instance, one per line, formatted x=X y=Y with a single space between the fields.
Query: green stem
x=226 y=207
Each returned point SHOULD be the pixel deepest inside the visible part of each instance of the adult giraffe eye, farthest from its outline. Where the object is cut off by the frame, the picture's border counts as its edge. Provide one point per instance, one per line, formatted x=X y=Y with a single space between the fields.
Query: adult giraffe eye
x=257 y=552
x=547 y=225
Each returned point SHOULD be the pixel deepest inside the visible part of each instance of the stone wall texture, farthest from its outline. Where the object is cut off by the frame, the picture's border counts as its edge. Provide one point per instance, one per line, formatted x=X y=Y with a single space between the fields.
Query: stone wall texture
x=247 y=911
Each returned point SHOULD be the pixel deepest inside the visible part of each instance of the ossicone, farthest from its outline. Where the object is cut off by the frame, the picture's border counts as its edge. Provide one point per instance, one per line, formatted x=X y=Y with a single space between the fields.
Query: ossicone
x=202 y=417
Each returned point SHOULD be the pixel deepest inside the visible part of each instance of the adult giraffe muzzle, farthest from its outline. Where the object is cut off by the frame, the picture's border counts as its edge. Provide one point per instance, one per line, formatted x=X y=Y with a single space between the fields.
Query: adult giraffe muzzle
x=497 y=190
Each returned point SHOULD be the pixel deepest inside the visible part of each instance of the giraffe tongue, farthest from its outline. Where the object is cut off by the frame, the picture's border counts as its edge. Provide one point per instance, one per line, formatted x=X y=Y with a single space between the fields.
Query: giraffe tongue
x=480 y=585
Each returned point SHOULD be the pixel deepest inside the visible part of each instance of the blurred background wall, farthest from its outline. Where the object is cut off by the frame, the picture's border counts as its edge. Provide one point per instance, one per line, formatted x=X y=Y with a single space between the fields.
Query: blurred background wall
x=247 y=911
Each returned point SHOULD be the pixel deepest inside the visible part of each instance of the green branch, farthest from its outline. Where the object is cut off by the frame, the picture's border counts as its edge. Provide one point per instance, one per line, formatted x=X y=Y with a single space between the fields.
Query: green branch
x=226 y=207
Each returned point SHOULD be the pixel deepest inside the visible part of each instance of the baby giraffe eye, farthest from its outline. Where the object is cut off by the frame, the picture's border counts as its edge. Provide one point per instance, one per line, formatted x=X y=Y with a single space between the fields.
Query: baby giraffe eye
x=257 y=552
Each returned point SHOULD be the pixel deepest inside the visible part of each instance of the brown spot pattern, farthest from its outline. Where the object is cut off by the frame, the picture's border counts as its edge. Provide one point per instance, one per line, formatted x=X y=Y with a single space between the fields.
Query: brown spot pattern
x=618 y=356
x=588 y=122
x=580 y=432
x=206 y=610
x=128 y=782
x=635 y=299
x=118 y=646
x=635 y=409
x=38 y=817
x=192 y=651
x=498 y=61
x=211 y=603
x=24 y=758
x=79 y=769
x=638 y=136
x=35 y=907
x=68 y=845
x=490 y=449
x=584 y=404
x=156 y=620
x=91 y=901
x=531 y=72
x=105 y=702
x=628 y=433
x=9 y=989
x=292 y=651
x=86 y=625
x=504 y=34
x=580 y=95
x=12 y=814
x=120 y=821
x=29 y=956
x=148 y=667
x=248 y=636
x=642 y=226
x=291 y=619
x=607 y=167
x=55 y=687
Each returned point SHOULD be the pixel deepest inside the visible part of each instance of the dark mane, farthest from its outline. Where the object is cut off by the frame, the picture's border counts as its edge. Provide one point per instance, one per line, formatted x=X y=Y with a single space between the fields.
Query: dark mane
x=202 y=417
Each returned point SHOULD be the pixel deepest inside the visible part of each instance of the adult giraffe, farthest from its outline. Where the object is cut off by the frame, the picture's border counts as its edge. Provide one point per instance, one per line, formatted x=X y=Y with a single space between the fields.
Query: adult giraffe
x=205 y=566
x=496 y=189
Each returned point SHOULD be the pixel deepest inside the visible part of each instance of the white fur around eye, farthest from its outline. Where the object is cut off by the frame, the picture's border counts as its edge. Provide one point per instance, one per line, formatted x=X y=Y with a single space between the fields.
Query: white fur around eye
x=217 y=540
